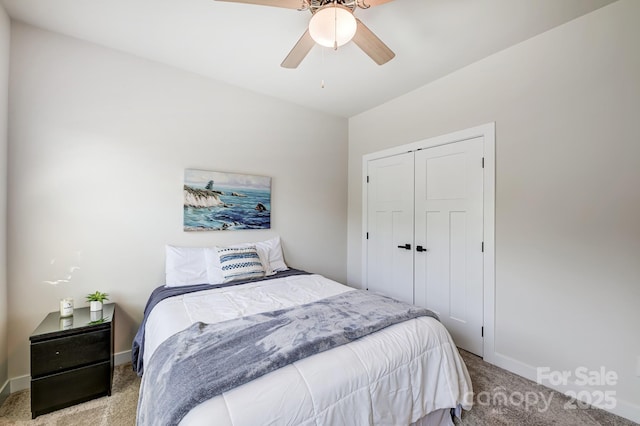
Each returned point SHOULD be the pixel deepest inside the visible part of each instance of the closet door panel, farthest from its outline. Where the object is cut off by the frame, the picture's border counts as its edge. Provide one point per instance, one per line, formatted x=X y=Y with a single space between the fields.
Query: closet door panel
x=390 y=226
x=449 y=226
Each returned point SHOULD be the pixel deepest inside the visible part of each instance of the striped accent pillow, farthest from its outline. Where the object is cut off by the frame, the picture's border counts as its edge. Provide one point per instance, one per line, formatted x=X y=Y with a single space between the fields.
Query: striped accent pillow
x=240 y=263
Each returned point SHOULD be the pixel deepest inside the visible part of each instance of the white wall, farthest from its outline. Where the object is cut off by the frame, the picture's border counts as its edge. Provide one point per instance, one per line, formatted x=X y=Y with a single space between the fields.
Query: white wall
x=98 y=144
x=5 y=37
x=566 y=105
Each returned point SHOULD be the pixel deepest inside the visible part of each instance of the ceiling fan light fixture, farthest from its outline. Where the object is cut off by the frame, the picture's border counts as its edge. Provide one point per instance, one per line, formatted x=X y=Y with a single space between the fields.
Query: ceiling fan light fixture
x=333 y=25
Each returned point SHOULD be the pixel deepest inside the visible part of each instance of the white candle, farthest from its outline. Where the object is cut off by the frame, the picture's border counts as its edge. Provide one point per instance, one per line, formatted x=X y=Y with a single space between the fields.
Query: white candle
x=66 y=307
x=66 y=323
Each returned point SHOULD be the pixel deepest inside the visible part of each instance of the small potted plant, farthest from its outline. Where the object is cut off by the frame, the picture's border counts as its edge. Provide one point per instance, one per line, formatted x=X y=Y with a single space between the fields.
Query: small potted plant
x=95 y=300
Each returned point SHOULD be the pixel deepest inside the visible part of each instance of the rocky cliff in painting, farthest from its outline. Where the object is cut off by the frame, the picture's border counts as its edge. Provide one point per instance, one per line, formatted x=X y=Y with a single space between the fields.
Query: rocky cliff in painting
x=201 y=198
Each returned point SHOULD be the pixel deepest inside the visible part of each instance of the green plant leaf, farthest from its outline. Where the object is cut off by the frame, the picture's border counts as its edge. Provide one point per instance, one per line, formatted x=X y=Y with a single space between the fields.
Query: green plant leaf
x=97 y=297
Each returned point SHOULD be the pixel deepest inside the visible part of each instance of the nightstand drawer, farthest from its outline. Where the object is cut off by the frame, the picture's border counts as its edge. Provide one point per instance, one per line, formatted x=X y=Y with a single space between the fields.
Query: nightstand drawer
x=63 y=389
x=63 y=353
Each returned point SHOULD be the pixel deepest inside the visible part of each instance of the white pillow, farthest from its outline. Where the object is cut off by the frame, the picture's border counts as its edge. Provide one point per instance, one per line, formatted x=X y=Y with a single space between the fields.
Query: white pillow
x=240 y=263
x=264 y=259
x=274 y=249
x=185 y=266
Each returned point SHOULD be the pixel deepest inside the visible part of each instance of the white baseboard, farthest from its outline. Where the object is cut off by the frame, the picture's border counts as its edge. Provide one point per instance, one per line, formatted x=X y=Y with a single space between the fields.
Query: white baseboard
x=628 y=411
x=24 y=382
x=623 y=408
x=122 y=357
x=4 y=392
x=20 y=383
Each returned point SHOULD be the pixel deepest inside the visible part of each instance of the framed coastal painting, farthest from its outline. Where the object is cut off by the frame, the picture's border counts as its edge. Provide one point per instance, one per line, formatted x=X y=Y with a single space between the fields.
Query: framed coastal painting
x=217 y=201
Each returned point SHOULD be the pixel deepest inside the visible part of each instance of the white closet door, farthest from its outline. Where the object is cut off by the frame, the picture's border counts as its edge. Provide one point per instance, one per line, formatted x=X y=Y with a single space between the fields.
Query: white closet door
x=390 y=227
x=449 y=227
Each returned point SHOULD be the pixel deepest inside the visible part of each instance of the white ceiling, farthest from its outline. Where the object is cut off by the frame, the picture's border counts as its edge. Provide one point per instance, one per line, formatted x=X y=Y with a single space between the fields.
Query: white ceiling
x=244 y=44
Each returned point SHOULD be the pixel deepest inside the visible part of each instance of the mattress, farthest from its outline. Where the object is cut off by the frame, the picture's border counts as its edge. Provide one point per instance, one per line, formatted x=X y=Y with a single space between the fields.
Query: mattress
x=396 y=376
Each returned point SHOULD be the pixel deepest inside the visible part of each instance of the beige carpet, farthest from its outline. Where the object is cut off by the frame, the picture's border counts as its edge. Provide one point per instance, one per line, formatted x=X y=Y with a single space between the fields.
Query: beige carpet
x=501 y=399
x=118 y=409
x=488 y=381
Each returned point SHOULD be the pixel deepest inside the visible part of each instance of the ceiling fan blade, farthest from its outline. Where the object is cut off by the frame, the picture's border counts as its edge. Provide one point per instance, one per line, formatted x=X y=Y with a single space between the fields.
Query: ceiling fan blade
x=372 y=45
x=299 y=51
x=365 y=4
x=289 y=4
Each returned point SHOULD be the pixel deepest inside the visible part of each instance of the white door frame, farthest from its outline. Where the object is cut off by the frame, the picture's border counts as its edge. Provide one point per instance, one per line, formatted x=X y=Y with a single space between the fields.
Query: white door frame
x=488 y=132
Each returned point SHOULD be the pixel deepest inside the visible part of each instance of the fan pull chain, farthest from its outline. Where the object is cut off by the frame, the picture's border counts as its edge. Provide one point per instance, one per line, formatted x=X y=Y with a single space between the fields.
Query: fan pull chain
x=322 y=67
x=335 y=25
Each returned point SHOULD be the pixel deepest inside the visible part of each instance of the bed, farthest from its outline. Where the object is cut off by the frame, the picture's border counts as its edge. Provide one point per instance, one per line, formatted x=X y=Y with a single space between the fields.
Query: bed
x=406 y=373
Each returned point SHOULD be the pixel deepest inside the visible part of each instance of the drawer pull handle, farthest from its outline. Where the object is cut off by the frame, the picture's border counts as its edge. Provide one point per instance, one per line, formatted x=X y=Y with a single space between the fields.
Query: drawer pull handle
x=57 y=353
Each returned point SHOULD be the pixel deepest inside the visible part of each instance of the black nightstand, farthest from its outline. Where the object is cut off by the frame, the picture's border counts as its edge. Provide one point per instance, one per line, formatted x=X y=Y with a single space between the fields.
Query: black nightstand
x=71 y=359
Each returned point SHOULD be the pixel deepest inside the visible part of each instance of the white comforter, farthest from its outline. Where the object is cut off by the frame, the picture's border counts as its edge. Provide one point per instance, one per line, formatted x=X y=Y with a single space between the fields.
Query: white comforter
x=393 y=377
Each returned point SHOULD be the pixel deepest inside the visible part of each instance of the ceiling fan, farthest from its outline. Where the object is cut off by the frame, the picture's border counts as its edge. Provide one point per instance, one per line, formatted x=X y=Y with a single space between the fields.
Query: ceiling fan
x=332 y=24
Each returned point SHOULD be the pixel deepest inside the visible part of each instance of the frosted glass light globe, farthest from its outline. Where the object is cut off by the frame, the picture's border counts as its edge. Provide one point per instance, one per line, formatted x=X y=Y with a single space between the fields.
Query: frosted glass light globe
x=332 y=25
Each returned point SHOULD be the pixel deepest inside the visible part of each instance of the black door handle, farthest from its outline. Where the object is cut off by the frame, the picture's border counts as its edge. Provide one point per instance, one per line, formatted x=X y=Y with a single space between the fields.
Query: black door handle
x=406 y=246
x=420 y=248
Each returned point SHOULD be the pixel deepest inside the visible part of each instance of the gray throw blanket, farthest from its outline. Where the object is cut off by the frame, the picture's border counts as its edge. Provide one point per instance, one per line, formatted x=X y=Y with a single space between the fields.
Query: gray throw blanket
x=206 y=360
